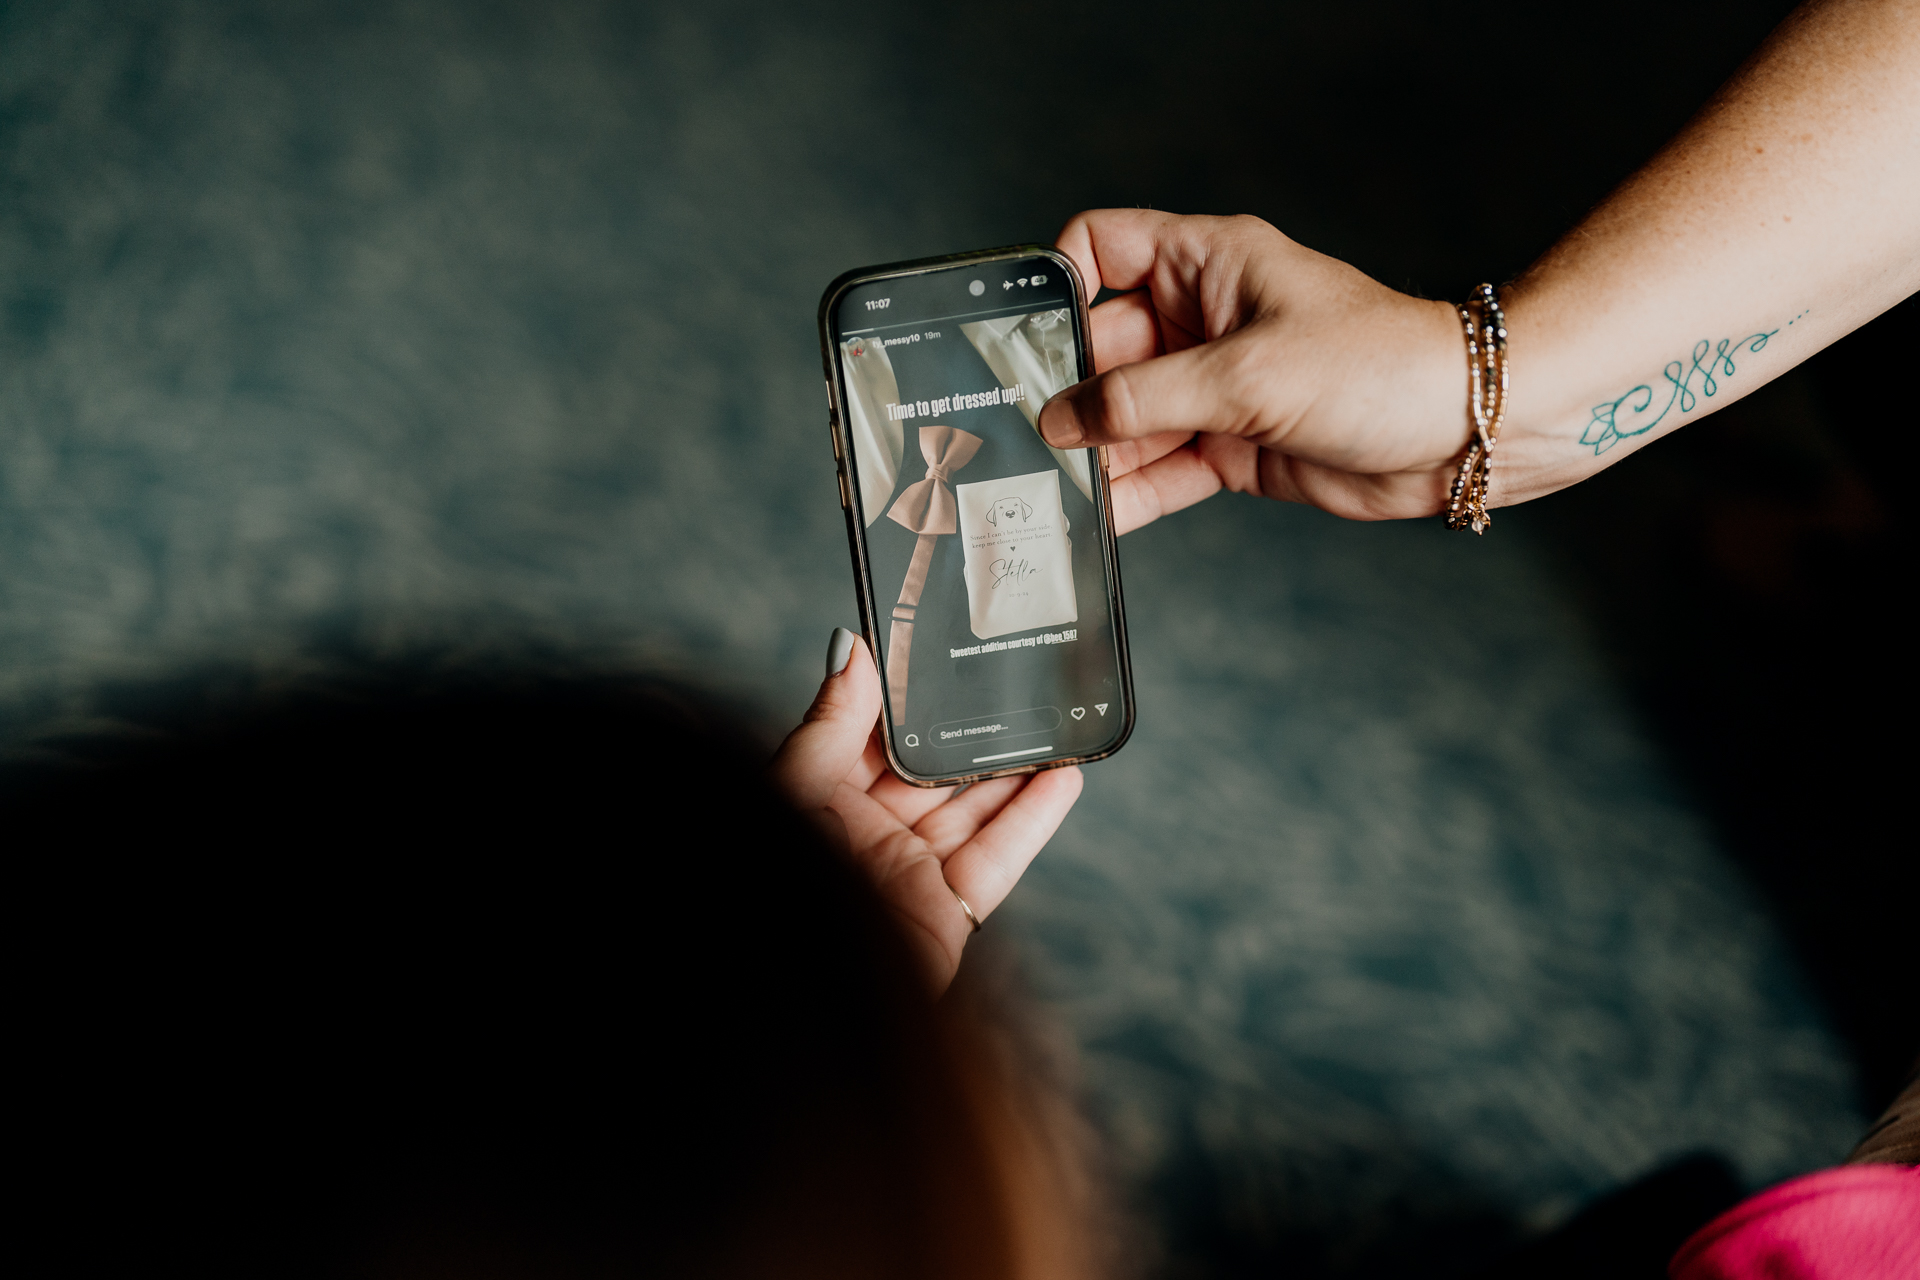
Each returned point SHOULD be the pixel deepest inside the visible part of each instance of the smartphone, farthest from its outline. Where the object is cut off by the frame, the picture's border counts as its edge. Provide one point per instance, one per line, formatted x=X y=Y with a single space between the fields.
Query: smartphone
x=983 y=557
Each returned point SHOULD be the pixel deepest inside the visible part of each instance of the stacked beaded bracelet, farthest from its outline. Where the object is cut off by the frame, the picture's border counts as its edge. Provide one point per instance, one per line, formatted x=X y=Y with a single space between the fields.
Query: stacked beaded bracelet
x=1486 y=330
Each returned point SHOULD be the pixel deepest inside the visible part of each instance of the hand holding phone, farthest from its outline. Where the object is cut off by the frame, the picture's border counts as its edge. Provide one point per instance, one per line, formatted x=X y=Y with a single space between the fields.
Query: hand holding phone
x=984 y=558
x=926 y=850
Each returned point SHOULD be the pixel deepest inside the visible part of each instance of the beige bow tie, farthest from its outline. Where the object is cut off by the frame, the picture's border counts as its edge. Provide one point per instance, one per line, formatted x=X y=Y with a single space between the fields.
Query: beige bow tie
x=926 y=507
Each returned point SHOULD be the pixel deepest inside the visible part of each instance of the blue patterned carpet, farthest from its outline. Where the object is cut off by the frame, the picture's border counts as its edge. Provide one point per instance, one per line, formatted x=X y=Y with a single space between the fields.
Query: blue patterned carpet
x=341 y=328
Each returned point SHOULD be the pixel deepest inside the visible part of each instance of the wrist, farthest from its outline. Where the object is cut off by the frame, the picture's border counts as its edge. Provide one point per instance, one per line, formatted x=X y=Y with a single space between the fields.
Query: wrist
x=1406 y=410
x=1537 y=454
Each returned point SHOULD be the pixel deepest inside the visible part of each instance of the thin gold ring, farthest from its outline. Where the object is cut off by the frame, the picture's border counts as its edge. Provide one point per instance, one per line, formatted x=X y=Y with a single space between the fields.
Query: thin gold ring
x=972 y=919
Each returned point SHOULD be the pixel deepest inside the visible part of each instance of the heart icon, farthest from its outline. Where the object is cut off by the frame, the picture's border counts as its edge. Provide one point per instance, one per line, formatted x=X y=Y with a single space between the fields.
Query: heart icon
x=1079 y=713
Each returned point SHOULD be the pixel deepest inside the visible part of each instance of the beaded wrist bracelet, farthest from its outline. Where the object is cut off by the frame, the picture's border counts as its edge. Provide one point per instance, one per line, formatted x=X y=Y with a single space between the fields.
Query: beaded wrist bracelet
x=1485 y=325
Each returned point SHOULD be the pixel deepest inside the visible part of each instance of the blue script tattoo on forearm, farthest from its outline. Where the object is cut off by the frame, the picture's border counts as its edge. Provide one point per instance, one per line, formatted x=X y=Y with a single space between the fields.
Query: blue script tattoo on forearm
x=1632 y=414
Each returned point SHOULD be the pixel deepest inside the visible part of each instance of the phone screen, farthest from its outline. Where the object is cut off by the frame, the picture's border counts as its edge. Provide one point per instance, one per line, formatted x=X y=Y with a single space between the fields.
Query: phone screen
x=993 y=589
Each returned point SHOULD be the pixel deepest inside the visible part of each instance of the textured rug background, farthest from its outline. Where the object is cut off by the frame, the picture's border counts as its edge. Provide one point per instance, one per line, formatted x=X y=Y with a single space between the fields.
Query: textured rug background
x=353 y=329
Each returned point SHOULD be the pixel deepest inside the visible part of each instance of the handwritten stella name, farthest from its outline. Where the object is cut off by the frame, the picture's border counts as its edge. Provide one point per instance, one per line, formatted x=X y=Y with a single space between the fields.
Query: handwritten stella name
x=1010 y=570
x=957 y=403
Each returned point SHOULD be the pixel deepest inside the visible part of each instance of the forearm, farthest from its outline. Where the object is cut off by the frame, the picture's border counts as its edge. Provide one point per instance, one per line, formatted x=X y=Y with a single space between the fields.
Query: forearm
x=1785 y=215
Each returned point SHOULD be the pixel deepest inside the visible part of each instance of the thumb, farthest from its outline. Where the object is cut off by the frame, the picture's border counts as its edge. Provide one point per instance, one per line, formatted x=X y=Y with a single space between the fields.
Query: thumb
x=818 y=756
x=1200 y=389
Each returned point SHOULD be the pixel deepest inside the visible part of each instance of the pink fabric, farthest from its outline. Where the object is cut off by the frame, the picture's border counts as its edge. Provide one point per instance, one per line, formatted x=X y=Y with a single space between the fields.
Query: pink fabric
x=1857 y=1223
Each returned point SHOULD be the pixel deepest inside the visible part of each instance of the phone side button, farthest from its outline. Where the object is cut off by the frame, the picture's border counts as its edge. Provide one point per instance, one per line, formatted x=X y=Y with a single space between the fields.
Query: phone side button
x=846 y=502
x=833 y=430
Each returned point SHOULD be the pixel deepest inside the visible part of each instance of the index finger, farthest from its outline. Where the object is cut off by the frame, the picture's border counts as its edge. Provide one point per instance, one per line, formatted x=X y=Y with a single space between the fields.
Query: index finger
x=1114 y=248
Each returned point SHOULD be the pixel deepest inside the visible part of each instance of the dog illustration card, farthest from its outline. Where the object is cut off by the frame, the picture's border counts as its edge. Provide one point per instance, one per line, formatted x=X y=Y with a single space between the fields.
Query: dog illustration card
x=1019 y=560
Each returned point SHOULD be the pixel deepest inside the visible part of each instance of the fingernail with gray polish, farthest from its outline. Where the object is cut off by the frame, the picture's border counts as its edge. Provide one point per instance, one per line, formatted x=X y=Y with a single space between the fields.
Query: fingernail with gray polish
x=839 y=649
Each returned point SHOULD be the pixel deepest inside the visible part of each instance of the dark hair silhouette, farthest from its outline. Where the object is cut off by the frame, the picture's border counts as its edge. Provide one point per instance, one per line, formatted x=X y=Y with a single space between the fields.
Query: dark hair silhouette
x=474 y=978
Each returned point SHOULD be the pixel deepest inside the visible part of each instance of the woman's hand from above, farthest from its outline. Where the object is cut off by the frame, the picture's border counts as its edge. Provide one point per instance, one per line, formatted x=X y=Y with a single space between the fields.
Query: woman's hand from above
x=914 y=842
x=1240 y=360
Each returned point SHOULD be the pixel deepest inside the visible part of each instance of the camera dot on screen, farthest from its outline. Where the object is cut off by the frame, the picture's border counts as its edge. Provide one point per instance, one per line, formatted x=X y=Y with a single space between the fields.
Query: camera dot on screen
x=976 y=288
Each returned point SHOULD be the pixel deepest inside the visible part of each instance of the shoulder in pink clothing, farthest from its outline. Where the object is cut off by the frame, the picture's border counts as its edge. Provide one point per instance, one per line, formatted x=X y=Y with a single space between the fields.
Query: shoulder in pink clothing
x=1861 y=1222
